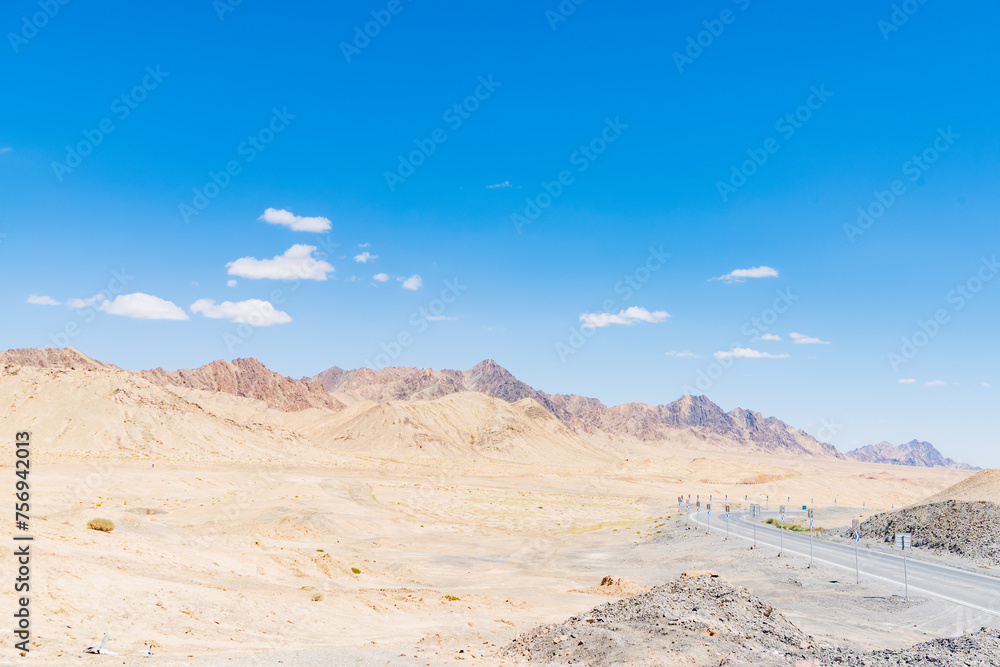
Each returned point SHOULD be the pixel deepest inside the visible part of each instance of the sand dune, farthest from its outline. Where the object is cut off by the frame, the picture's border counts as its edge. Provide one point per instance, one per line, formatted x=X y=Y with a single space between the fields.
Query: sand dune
x=984 y=485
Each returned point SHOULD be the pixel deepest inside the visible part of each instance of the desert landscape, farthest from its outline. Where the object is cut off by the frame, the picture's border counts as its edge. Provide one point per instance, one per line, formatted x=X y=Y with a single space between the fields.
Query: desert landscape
x=419 y=517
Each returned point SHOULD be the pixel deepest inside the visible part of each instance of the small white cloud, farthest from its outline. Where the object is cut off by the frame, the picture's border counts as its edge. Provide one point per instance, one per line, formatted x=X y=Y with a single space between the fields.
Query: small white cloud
x=5 y=149
x=42 y=300
x=685 y=353
x=141 y=306
x=412 y=283
x=986 y=384
x=440 y=318
x=907 y=380
x=297 y=263
x=231 y=283
x=747 y=353
x=296 y=223
x=935 y=383
x=364 y=245
x=769 y=336
x=365 y=257
x=629 y=316
x=381 y=277
x=740 y=275
x=802 y=339
x=505 y=184
x=89 y=301
x=255 y=312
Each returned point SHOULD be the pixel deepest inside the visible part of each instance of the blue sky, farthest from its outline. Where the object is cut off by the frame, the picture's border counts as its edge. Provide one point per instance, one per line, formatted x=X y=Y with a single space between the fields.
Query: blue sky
x=640 y=118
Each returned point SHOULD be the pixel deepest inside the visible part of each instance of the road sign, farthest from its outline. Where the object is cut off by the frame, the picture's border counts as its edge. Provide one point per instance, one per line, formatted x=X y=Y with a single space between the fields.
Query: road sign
x=805 y=507
x=903 y=540
x=754 y=510
x=856 y=527
x=810 y=513
x=782 y=510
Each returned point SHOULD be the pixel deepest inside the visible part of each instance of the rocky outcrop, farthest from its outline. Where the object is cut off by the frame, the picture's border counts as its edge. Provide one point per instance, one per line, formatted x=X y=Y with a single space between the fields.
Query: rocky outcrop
x=50 y=357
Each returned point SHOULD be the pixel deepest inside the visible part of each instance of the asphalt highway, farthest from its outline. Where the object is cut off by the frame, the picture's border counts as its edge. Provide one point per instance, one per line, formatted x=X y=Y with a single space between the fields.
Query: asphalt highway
x=976 y=591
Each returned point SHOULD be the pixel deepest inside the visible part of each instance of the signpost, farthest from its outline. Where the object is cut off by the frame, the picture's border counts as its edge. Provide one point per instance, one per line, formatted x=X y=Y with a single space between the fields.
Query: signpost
x=754 y=513
x=856 y=527
x=680 y=503
x=697 y=512
x=903 y=542
x=781 y=539
x=708 y=509
x=728 y=510
x=810 y=538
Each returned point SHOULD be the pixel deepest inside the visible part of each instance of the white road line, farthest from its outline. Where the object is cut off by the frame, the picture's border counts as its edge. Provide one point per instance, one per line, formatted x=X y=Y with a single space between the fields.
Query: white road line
x=992 y=612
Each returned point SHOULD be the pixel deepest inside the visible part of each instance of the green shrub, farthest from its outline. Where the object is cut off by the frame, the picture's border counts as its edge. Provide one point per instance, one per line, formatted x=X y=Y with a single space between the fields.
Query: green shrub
x=355 y=570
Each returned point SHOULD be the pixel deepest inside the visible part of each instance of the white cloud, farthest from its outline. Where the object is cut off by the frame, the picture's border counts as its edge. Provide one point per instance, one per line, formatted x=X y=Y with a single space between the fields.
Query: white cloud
x=364 y=245
x=42 y=300
x=365 y=257
x=231 y=283
x=141 y=306
x=986 y=384
x=381 y=277
x=89 y=301
x=747 y=353
x=297 y=263
x=685 y=353
x=5 y=149
x=907 y=380
x=769 y=336
x=412 y=283
x=740 y=275
x=440 y=318
x=628 y=317
x=935 y=383
x=252 y=311
x=296 y=223
x=505 y=184
x=802 y=339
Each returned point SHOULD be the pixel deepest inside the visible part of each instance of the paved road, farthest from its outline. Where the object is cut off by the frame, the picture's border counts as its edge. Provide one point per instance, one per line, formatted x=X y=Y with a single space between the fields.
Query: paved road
x=969 y=589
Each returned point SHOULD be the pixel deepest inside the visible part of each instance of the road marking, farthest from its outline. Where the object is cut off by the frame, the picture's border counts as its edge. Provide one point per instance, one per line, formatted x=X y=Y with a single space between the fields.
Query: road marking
x=992 y=612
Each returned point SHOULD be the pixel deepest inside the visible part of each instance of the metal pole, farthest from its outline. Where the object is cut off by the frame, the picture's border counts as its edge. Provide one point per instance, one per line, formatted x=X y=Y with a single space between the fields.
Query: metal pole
x=906 y=581
x=810 y=538
x=754 y=520
x=857 y=564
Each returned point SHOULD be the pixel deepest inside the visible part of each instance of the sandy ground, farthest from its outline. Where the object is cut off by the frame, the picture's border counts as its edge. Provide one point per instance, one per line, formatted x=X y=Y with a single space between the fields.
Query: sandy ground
x=219 y=564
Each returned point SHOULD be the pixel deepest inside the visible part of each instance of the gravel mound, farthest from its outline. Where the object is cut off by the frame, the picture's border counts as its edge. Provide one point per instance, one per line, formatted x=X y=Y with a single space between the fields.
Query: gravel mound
x=981 y=649
x=705 y=621
x=690 y=621
x=967 y=529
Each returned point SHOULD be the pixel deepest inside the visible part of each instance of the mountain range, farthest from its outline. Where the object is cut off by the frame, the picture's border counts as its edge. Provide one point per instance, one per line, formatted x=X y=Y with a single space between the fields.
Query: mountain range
x=913 y=453
x=694 y=421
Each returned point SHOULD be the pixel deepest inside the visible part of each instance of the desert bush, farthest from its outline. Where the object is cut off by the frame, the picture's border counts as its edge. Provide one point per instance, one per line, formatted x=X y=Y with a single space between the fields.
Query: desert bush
x=103 y=525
